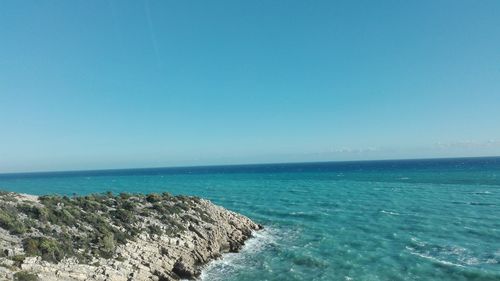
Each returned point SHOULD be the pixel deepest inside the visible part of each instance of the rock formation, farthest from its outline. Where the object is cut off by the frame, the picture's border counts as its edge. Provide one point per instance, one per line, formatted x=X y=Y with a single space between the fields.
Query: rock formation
x=114 y=237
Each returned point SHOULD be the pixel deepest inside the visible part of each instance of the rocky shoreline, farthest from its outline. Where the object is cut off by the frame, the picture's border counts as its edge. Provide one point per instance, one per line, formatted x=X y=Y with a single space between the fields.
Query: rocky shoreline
x=110 y=237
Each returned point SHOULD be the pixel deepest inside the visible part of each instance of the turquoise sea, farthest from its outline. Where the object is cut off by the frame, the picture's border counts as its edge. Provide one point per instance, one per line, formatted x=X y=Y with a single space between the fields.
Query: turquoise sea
x=373 y=220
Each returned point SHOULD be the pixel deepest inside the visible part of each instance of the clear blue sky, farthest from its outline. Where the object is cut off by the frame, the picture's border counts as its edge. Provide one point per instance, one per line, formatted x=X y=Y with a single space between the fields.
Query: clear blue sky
x=116 y=84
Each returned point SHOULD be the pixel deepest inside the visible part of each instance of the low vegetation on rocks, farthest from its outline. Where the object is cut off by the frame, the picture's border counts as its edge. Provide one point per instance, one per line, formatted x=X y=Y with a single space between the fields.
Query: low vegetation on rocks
x=91 y=228
x=99 y=222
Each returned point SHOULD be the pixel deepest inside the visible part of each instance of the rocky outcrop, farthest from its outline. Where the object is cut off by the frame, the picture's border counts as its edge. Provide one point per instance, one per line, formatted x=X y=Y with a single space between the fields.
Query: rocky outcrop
x=107 y=237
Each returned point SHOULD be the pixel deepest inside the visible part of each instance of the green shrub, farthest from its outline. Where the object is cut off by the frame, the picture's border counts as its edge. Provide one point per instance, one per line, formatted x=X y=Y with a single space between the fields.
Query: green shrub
x=25 y=276
x=122 y=237
x=153 y=197
x=49 y=249
x=18 y=260
x=155 y=229
x=9 y=220
x=128 y=205
x=167 y=196
x=125 y=195
x=107 y=245
x=122 y=215
x=30 y=211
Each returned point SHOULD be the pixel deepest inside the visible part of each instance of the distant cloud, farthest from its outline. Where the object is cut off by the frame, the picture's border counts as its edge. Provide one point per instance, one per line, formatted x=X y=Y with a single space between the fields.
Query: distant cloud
x=468 y=144
x=466 y=148
x=353 y=150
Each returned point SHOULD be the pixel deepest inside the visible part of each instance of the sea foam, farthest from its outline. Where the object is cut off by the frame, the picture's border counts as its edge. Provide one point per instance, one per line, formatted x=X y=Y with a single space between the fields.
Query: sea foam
x=231 y=263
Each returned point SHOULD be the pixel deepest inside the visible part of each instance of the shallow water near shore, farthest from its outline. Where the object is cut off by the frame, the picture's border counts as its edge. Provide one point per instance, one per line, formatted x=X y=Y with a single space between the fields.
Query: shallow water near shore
x=377 y=220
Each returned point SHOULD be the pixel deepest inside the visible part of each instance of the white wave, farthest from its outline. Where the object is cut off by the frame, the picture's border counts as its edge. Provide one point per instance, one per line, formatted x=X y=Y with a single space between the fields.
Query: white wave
x=472 y=261
x=434 y=259
x=418 y=242
x=481 y=192
x=492 y=261
x=390 y=213
x=232 y=262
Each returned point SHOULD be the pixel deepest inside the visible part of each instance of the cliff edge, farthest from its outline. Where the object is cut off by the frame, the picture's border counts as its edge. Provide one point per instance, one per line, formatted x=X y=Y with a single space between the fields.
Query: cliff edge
x=111 y=237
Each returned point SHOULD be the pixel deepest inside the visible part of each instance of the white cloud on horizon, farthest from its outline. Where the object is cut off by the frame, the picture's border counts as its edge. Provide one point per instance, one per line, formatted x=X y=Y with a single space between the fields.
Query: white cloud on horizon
x=468 y=144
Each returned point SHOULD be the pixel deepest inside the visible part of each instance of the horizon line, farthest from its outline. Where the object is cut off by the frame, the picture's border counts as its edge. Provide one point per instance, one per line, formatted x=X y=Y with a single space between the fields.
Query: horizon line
x=241 y=164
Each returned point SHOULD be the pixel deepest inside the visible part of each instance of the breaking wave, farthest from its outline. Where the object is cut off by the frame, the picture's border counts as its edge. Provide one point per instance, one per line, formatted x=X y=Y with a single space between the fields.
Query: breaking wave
x=232 y=263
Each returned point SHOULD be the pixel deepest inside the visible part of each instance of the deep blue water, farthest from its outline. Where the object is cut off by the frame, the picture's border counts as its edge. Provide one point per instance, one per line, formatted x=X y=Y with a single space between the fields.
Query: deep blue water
x=373 y=220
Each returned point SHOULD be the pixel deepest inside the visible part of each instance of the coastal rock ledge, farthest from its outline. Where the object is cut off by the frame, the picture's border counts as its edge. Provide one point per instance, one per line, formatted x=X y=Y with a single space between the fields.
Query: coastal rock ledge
x=111 y=237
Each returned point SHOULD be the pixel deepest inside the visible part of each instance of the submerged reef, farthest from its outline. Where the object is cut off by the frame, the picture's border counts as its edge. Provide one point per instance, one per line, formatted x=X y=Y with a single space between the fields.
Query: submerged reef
x=109 y=237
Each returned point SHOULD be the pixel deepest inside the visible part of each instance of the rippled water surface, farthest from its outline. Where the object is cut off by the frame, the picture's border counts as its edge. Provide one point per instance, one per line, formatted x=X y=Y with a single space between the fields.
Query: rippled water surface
x=379 y=220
